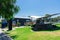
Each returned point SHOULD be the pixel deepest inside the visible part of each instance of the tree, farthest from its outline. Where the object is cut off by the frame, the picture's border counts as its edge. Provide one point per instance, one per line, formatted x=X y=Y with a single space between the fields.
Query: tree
x=8 y=9
x=47 y=17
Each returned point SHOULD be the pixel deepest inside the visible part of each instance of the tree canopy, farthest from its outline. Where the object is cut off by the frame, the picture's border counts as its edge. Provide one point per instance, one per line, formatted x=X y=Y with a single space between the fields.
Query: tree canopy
x=8 y=8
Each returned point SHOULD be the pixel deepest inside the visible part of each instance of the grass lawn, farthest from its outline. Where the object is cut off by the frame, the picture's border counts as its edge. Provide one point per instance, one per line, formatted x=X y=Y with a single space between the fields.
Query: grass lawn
x=27 y=34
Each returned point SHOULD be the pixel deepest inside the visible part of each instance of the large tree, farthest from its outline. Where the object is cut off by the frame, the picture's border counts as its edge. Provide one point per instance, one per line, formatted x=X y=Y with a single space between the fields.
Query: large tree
x=8 y=9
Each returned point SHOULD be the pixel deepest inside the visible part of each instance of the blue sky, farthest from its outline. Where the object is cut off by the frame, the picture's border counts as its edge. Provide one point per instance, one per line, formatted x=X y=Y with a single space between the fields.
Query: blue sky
x=37 y=7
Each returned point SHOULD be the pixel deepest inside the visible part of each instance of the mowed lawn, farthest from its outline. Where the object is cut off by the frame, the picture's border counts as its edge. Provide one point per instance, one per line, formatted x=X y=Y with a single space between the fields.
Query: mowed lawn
x=27 y=34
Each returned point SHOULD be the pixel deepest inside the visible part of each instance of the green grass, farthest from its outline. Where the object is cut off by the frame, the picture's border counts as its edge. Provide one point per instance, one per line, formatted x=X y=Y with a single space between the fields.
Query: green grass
x=58 y=24
x=27 y=34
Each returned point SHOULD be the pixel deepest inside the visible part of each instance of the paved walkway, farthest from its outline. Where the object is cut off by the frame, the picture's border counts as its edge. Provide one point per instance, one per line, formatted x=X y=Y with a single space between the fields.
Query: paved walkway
x=1 y=30
x=4 y=36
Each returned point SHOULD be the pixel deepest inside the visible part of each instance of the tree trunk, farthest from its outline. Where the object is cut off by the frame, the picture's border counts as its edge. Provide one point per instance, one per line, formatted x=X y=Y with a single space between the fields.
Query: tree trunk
x=10 y=24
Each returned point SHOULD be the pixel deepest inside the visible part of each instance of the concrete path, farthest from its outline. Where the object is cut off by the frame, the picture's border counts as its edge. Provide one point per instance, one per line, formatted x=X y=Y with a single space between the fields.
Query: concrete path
x=1 y=30
x=4 y=36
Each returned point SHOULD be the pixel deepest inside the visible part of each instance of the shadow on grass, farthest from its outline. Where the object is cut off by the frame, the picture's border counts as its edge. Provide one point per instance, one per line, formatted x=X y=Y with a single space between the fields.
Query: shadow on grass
x=15 y=36
x=45 y=27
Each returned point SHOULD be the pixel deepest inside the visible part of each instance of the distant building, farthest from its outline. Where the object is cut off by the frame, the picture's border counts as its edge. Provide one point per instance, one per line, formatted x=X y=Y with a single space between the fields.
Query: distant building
x=20 y=21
